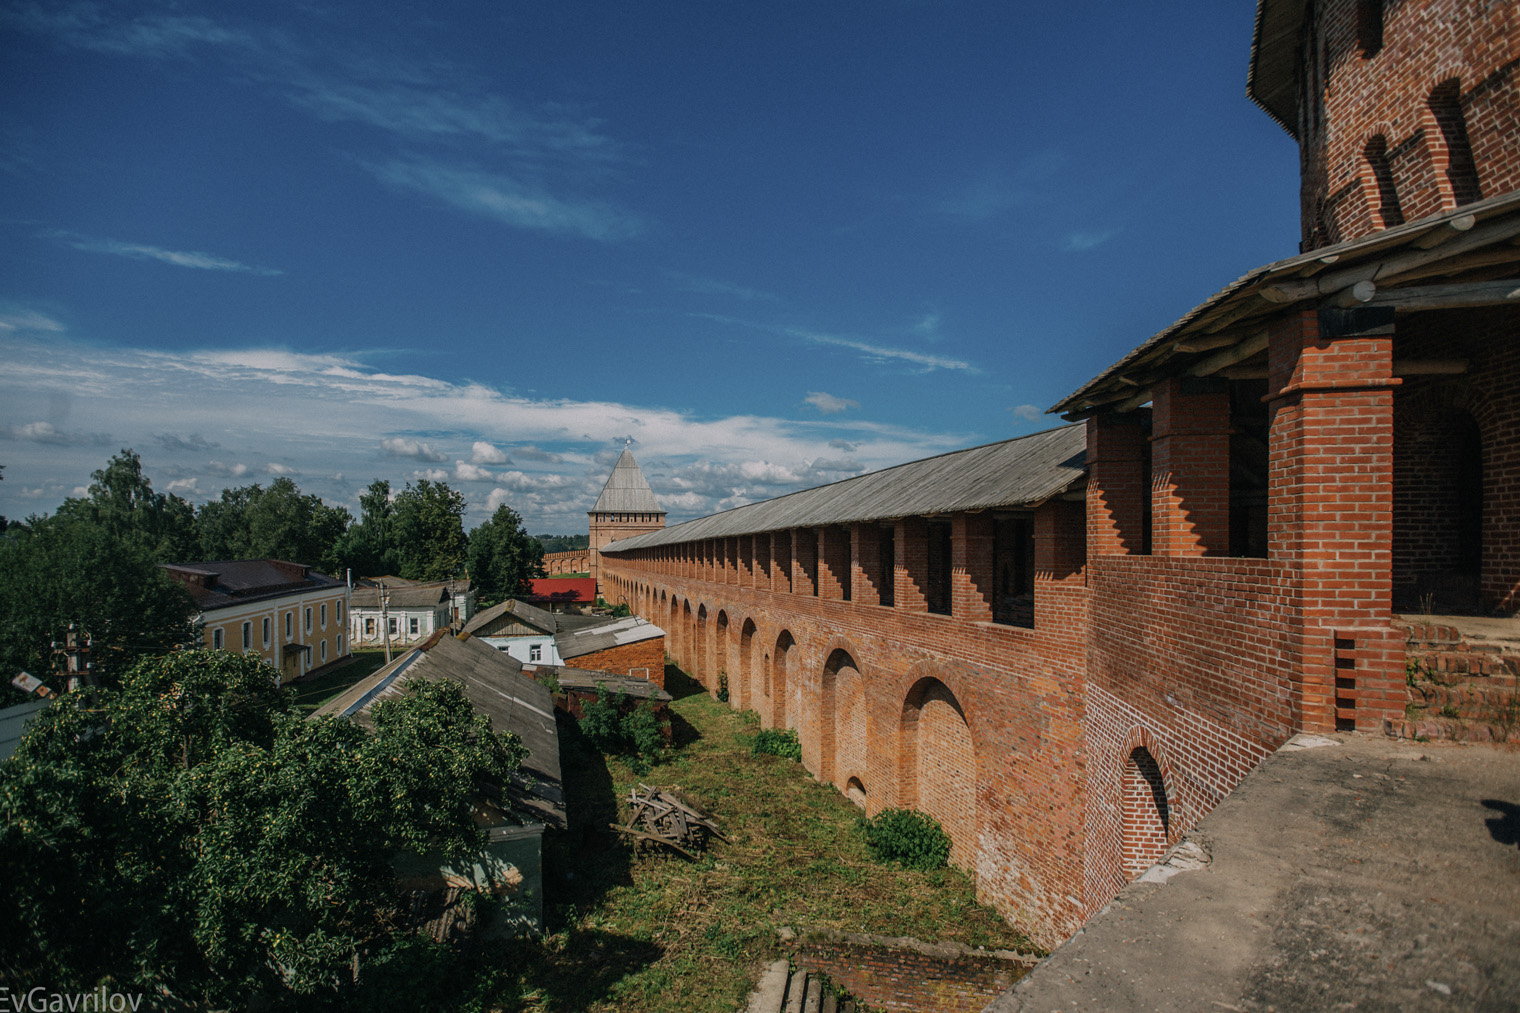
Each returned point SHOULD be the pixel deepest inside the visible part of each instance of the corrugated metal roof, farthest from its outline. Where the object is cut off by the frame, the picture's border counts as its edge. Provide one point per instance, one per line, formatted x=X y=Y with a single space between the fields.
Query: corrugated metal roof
x=235 y=581
x=632 y=630
x=1020 y=472
x=626 y=491
x=13 y=722
x=494 y=684
x=400 y=597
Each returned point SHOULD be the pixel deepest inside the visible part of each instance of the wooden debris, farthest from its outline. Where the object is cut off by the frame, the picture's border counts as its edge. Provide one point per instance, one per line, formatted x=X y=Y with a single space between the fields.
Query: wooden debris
x=661 y=818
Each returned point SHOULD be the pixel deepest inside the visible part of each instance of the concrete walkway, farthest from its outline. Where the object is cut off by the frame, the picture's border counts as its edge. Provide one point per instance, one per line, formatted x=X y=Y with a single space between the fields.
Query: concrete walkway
x=1364 y=874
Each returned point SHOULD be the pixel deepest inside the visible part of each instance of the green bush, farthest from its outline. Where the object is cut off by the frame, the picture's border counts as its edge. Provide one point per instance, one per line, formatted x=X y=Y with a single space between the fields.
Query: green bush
x=772 y=742
x=615 y=728
x=907 y=837
x=723 y=687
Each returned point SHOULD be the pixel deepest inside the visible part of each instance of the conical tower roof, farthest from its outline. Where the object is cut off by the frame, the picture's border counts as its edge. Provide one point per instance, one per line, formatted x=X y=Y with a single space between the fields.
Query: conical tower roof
x=627 y=491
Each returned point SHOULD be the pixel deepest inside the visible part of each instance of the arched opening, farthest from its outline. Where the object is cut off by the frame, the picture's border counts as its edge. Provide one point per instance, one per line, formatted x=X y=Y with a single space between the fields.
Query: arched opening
x=720 y=655
x=841 y=724
x=743 y=687
x=1386 y=209
x=855 y=791
x=687 y=627
x=1146 y=814
x=1460 y=170
x=937 y=764
x=781 y=715
x=702 y=654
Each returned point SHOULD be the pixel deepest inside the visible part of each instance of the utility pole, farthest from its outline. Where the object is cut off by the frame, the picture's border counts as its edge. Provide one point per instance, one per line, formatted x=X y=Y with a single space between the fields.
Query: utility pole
x=385 y=619
x=73 y=658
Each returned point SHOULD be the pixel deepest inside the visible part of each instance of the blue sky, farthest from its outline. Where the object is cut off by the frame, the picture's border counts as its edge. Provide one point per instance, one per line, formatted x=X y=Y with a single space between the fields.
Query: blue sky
x=775 y=244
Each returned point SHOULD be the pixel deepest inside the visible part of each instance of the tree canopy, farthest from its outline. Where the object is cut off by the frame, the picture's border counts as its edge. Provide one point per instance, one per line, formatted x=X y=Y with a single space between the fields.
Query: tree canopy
x=428 y=531
x=279 y=522
x=187 y=832
x=123 y=502
x=503 y=558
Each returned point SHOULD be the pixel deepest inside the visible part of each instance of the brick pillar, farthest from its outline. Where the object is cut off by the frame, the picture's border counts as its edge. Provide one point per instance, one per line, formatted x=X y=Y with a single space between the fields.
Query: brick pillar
x=834 y=563
x=1060 y=561
x=781 y=562
x=865 y=563
x=1331 y=510
x=804 y=562
x=1190 y=467
x=1116 y=486
x=912 y=577
x=972 y=583
x=762 y=561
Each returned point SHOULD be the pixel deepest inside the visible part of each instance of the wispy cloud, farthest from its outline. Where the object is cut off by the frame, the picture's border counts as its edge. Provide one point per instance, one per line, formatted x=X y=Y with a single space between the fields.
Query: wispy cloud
x=46 y=432
x=927 y=327
x=828 y=403
x=142 y=251
x=507 y=199
x=699 y=285
x=1028 y=412
x=22 y=321
x=96 y=27
x=997 y=190
x=884 y=353
x=1081 y=242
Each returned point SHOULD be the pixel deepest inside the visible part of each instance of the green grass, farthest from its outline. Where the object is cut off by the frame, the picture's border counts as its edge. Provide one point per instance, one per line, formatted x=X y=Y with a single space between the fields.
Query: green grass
x=313 y=693
x=652 y=933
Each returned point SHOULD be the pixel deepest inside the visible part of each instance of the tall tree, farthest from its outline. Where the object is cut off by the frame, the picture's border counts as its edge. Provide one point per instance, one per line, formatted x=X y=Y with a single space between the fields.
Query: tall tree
x=278 y=522
x=121 y=499
x=429 y=531
x=368 y=547
x=503 y=557
x=73 y=569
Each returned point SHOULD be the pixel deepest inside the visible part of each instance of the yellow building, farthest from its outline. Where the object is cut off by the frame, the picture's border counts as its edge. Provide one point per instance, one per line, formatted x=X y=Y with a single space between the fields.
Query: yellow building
x=289 y=615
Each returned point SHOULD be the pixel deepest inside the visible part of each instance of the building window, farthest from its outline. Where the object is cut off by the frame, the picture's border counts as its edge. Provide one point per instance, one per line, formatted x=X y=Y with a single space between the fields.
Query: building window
x=536 y=653
x=340 y=645
x=1461 y=170
x=391 y=626
x=287 y=624
x=369 y=628
x=308 y=619
x=412 y=626
x=266 y=631
x=324 y=650
x=1369 y=27
x=324 y=615
x=339 y=613
x=247 y=636
x=216 y=639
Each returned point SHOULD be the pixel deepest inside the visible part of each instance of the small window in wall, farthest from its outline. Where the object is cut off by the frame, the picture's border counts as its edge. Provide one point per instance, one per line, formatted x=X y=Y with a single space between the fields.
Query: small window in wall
x=369 y=628
x=536 y=653
x=340 y=644
x=324 y=650
x=1369 y=27
x=412 y=625
x=308 y=619
x=266 y=631
x=323 y=618
x=247 y=636
x=287 y=624
x=1461 y=170
x=216 y=639
x=338 y=615
x=391 y=626
x=887 y=553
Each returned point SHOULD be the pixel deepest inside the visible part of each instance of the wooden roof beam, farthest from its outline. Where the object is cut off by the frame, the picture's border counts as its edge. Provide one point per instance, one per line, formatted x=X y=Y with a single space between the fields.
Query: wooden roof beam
x=1463 y=295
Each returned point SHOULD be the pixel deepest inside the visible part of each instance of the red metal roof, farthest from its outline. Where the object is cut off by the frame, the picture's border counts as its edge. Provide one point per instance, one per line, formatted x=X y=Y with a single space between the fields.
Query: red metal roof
x=563 y=589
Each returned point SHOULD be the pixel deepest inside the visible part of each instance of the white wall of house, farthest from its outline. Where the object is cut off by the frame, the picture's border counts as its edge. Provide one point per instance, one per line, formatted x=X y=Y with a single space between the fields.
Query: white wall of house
x=408 y=625
x=537 y=649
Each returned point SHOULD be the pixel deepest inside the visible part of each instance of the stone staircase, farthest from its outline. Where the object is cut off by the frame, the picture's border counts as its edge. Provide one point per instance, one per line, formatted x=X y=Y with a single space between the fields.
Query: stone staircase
x=1463 y=679
x=783 y=989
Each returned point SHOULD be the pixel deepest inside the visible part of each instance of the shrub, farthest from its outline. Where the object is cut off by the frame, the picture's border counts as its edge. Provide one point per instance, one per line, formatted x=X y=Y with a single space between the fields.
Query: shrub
x=723 y=687
x=773 y=742
x=907 y=837
x=615 y=728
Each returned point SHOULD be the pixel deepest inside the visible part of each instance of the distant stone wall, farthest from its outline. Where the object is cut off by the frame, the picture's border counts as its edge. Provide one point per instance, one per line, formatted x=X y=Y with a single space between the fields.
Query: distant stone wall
x=578 y=561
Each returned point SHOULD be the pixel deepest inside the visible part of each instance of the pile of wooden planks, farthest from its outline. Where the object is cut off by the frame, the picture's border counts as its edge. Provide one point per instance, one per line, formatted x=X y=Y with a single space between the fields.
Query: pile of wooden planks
x=662 y=819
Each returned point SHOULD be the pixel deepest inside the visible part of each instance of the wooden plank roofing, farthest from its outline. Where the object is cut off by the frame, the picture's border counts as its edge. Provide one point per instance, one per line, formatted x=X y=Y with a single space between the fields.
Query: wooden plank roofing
x=1018 y=473
x=627 y=491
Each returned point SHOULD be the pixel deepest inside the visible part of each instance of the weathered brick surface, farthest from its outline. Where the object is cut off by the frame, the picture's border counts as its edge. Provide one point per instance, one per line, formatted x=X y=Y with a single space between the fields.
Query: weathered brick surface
x=645 y=659
x=902 y=978
x=1355 y=99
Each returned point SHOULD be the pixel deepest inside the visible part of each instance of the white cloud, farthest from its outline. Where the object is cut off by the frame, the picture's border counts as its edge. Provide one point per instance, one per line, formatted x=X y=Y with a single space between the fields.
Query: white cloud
x=142 y=251
x=22 y=320
x=1028 y=412
x=396 y=446
x=320 y=414
x=699 y=285
x=464 y=471
x=183 y=487
x=828 y=403
x=482 y=452
x=46 y=432
x=885 y=354
x=276 y=468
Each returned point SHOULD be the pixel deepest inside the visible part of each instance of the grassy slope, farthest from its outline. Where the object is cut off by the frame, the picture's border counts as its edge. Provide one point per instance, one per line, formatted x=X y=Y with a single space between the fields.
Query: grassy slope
x=651 y=933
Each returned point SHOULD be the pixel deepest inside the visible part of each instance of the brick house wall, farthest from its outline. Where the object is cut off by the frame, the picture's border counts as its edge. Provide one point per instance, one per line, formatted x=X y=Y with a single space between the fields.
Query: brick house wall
x=645 y=659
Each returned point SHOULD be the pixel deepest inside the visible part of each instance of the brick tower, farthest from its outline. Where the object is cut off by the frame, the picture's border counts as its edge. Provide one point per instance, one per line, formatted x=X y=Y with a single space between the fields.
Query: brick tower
x=625 y=508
